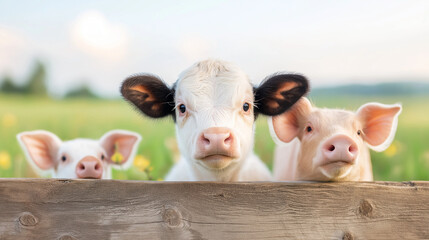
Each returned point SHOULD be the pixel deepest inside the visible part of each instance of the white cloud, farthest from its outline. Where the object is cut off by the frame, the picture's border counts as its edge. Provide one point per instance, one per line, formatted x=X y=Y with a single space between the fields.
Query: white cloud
x=16 y=54
x=94 y=34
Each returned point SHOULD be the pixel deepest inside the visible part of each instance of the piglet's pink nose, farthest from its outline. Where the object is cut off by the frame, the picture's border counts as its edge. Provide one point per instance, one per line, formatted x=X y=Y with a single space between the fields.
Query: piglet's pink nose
x=89 y=167
x=216 y=140
x=340 y=148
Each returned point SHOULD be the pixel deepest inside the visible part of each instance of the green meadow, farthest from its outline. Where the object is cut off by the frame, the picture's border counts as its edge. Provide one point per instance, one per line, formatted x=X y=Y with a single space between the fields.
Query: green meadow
x=407 y=158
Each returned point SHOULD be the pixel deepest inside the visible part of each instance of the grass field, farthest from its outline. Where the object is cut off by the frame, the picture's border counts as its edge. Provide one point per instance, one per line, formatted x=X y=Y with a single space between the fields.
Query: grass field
x=407 y=158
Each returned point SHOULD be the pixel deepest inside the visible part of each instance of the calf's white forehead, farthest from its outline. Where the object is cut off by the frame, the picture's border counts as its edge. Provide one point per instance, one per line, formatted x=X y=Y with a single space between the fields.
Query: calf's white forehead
x=213 y=82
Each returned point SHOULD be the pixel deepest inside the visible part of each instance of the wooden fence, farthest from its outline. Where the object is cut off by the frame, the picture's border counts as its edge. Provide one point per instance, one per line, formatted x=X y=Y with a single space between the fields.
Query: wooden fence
x=111 y=209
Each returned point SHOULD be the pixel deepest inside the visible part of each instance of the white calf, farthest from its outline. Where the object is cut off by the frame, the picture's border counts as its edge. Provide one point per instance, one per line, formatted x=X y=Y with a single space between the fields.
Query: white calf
x=214 y=106
x=79 y=158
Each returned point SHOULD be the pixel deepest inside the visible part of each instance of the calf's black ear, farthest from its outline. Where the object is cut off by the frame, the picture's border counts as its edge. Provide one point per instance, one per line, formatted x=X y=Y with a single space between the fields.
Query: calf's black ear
x=149 y=94
x=278 y=92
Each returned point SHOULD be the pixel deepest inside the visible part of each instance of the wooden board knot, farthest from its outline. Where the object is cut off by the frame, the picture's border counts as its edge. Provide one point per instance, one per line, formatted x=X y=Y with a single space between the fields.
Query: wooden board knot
x=365 y=208
x=27 y=219
x=172 y=217
x=67 y=237
x=347 y=236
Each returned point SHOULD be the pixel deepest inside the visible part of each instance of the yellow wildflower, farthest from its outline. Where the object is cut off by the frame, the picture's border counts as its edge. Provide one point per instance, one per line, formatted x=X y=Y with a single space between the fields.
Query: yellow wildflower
x=392 y=150
x=141 y=162
x=117 y=156
x=9 y=120
x=5 y=162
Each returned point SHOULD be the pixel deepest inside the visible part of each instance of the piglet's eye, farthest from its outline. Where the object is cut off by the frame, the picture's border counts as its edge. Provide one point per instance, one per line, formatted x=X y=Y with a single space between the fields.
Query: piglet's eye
x=182 y=108
x=63 y=158
x=308 y=129
x=102 y=156
x=246 y=106
x=359 y=132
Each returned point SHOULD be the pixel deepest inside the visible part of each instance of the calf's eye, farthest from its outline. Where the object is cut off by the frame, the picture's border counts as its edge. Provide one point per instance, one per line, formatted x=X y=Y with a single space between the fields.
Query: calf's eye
x=308 y=129
x=246 y=107
x=63 y=158
x=182 y=108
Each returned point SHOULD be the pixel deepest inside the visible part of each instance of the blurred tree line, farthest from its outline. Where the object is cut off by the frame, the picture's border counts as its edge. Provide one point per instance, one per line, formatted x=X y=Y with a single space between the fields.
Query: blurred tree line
x=36 y=85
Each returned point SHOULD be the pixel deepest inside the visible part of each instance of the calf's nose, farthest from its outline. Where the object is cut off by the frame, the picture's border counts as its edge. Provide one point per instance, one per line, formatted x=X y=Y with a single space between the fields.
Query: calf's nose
x=89 y=167
x=216 y=140
x=340 y=148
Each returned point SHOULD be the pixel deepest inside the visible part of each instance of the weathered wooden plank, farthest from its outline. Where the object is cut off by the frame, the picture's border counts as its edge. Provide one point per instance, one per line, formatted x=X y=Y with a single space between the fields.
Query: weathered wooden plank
x=109 y=209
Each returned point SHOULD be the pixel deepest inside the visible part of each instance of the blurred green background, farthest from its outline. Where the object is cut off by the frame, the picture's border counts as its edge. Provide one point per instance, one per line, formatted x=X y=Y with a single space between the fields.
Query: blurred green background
x=61 y=64
x=406 y=159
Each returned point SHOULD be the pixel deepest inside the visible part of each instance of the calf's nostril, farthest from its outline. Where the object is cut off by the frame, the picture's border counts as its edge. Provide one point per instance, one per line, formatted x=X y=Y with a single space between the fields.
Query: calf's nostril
x=206 y=141
x=228 y=139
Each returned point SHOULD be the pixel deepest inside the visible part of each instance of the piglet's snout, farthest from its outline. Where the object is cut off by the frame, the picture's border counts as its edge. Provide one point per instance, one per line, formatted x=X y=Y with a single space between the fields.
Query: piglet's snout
x=216 y=141
x=340 y=148
x=89 y=167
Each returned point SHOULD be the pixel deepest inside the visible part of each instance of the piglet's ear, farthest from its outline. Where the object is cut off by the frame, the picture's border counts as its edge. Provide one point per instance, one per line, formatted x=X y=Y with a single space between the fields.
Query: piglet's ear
x=279 y=92
x=285 y=127
x=120 y=146
x=379 y=124
x=40 y=147
x=149 y=94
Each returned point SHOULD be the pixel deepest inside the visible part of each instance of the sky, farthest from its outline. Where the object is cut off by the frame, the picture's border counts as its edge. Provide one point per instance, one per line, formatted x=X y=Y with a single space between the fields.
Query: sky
x=100 y=43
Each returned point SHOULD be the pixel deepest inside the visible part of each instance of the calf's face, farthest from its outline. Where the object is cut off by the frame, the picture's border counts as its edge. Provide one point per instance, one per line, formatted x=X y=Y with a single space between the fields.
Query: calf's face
x=79 y=158
x=214 y=106
x=334 y=142
x=214 y=115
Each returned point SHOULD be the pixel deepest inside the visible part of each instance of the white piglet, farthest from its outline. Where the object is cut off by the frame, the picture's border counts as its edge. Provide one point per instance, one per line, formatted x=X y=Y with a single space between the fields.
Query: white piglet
x=331 y=144
x=214 y=106
x=79 y=158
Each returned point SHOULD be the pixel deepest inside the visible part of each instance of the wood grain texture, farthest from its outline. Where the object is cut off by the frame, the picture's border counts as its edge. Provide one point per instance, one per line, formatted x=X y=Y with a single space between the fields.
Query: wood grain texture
x=109 y=209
